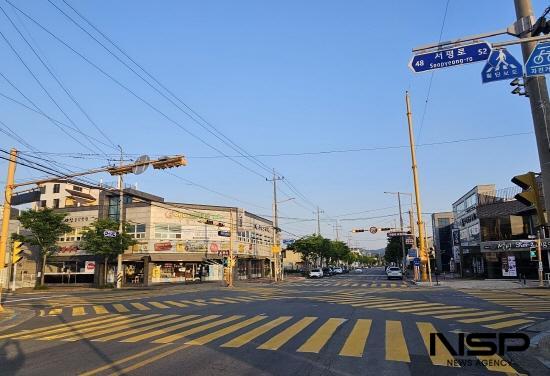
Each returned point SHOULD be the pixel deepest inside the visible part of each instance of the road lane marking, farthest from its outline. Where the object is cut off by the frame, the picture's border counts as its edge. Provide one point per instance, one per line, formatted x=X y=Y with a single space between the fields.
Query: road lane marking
x=55 y=311
x=319 y=339
x=78 y=311
x=197 y=329
x=495 y=363
x=445 y=310
x=286 y=335
x=177 y=304
x=203 y=340
x=127 y=333
x=158 y=305
x=255 y=333
x=396 y=347
x=507 y=324
x=76 y=335
x=458 y=315
x=168 y=329
x=71 y=326
x=140 y=306
x=120 y=308
x=36 y=298
x=192 y=302
x=421 y=307
x=100 y=310
x=491 y=318
x=57 y=326
x=442 y=356
x=355 y=343
x=123 y=360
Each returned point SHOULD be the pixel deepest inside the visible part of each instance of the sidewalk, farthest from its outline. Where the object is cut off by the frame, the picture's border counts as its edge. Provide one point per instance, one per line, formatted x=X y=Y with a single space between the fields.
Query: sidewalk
x=483 y=284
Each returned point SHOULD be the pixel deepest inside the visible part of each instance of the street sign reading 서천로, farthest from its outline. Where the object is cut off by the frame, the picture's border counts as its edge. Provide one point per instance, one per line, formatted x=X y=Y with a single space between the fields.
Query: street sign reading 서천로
x=449 y=57
x=538 y=62
x=501 y=65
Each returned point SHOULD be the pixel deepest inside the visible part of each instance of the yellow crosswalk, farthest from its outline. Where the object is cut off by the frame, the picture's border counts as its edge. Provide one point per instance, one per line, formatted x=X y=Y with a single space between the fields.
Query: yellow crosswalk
x=351 y=338
x=467 y=315
x=335 y=283
x=524 y=300
x=126 y=307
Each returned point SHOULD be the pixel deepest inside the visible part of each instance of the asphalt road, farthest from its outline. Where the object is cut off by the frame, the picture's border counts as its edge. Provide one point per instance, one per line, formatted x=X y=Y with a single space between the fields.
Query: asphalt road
x=352 y=324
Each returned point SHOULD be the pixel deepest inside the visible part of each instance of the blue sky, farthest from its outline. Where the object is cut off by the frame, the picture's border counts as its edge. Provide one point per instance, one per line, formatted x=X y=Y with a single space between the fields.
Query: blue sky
x=276 y=77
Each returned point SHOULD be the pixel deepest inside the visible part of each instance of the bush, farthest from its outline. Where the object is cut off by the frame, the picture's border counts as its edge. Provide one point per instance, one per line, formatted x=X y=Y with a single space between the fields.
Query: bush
x=40 y=287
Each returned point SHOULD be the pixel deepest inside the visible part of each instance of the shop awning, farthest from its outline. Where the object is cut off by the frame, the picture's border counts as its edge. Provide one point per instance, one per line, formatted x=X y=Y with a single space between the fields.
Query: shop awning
x=133 y=257
x=177 y=257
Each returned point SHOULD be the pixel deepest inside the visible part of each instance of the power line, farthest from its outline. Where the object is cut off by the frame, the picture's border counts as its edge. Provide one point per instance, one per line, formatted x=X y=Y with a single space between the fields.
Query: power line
x=133 y=93
x=58 y=80
x=204 y=124
x=433 y=72
x=45 y=91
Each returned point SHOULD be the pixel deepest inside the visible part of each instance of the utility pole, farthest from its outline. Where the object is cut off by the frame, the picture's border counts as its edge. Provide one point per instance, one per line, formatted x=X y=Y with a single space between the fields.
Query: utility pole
x=337 y=227
x=403 y=248
x=276 y=250
x=319 y=221
x=540 y=105
x=422 y=246
x=4 y=235
x=120 y=224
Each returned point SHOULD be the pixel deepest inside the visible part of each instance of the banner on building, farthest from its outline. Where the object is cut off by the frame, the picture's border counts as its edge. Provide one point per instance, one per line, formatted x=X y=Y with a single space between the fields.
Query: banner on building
x=509 y=266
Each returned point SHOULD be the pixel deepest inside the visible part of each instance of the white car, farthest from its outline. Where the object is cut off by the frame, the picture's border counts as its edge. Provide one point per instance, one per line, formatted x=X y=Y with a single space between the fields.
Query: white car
x=394 y=272
x=358 y=270
x=338 y=270
x=316 y=273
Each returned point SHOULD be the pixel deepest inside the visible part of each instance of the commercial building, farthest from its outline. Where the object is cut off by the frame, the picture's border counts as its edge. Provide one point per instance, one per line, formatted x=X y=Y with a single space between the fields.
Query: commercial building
x=466 y=231
x=175 y=242
x=442 y=224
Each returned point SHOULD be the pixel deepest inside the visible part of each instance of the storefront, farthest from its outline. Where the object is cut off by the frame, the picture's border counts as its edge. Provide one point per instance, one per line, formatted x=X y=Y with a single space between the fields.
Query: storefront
x=174 y=268
x=75 y=270
x=515 y=258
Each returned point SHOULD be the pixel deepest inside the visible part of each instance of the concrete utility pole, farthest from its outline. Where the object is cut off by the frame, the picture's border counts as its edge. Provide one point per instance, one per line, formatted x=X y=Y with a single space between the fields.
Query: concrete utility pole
x=319 y=221
x=422 y=245
x=120 y=224
x=4 y=235
x=276 y=251
x=400 y=225
x=540 y=105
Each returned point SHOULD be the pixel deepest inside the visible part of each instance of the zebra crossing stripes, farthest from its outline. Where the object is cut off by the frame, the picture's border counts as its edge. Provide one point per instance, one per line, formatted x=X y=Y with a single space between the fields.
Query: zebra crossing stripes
x=102 y=309
x=521 y=300
x=382 y=285
x=466 y=315
x=262 y=332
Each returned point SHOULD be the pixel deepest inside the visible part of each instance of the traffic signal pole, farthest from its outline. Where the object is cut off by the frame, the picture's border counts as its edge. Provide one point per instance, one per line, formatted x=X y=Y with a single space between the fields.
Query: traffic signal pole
x=4 y=235
x=422 y=245
x=540 y=105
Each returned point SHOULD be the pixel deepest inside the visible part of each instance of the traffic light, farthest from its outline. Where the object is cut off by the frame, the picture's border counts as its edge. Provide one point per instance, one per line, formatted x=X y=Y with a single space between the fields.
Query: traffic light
x=530 y=195
x=120 y=170
x=169 y=162
x=15 y=252
x=225 y=262
x=533 y=254
x=542 y=26
x=358 y=230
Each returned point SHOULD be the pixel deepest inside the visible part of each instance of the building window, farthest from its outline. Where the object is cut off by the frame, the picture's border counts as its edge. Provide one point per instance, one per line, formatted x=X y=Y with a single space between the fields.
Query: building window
x=77 y=188
x=442 y=222
x=42 y=189
x=136 y=231
x=56 y=203
x=43 y=203
x=168 y=231
x=74 y=235
x=56 y=188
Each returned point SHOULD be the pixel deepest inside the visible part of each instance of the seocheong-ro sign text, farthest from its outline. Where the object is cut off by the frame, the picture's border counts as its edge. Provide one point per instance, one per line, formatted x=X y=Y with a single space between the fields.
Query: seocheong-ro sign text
x=450 y=57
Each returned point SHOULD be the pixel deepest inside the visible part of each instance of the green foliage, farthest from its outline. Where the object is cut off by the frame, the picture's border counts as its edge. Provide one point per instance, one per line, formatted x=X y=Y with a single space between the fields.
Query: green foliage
x=45 y=226
x=315 y=247
x=96 y=243
x=394 y=250
x=40 y=287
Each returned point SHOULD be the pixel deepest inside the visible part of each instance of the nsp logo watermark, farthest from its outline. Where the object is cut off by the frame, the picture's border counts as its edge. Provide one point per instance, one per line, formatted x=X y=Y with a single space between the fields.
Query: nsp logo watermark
x=479 y=344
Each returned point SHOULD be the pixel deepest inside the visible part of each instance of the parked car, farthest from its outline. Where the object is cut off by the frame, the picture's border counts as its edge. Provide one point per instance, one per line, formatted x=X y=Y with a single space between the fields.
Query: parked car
x=358 y=270
x=394 y=272
x=327 y=272
x=338 y=270
x=345 y=270
x=315 y=273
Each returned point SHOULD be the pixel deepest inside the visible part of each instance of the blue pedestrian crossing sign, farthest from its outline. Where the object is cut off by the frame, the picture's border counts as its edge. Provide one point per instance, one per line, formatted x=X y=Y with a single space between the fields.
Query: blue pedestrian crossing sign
x=501 y=65
x=539 y=61
x=416 y=261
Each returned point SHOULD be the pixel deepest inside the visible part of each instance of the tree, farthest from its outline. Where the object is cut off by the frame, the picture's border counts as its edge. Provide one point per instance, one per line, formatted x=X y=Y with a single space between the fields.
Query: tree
x=394 y=252
x=338 y=251
x=312 y=247
x=95 y=242
x=45 y=226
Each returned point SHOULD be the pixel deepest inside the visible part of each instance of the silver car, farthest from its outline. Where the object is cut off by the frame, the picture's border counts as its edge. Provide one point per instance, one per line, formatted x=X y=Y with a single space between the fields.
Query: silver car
x=394 y=272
